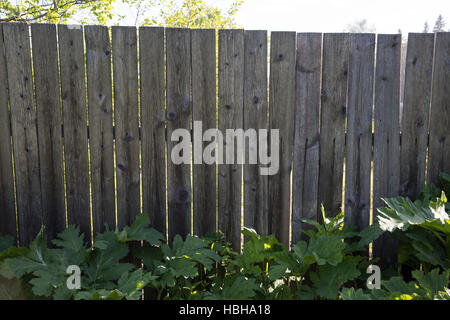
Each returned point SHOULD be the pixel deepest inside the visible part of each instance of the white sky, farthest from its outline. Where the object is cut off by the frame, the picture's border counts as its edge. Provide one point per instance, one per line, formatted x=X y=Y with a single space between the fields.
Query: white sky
x=387 y=16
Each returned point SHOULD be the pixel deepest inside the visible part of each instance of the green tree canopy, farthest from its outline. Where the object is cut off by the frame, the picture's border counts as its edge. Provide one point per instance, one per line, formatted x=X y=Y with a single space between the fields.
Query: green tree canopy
x=185 y=13
x=56 y=11
x=169 y=13
x=360 y=26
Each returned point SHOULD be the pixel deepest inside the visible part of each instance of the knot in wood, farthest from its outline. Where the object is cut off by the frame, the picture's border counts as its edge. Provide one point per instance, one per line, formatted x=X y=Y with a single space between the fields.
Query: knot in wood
x=183 y=196
x=171 y=115
x=128 y=137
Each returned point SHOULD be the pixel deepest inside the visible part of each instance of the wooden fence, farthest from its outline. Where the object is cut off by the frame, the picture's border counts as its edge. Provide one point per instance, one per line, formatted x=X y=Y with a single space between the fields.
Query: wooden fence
x=86 y=116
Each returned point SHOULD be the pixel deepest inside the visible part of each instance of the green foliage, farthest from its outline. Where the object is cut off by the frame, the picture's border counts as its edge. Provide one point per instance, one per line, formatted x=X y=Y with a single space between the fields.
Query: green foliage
x=331 y=262
x=193 y=14
x=168 y=13
x=425 y=240
x=57 y=11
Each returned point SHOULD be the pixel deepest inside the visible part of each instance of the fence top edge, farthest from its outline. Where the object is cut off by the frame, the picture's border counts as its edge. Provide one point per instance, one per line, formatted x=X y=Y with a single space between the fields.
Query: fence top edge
x=81 y=26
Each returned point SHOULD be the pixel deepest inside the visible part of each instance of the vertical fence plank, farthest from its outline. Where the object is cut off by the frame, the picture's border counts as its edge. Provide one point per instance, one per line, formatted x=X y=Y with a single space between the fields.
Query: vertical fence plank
x=99 y=90
x=359 y=129
x=305 y=180
x=255 y=117
x=231 y=81
x=281 y=110
x=203 y=44
x=415 y=114
x=7 y=205
x=73 y=91
x=153 y=122
x=386 y=148
x=23 y=126
x=332 y=121
x=46 y=81
x=439 y=145
x=126 y=120
x=178 y=112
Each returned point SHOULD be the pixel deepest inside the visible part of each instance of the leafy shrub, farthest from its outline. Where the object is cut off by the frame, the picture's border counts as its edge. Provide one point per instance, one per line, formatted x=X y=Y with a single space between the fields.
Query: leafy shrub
x=330 y=264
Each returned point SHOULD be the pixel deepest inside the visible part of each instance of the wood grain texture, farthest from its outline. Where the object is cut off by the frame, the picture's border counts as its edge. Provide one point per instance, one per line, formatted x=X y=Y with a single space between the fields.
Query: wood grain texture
x=439 y=143
x=281 y=114
x=153 y=123
x=49 y=121
x=359 y=130
x=386 y=148
x=126 y=120
x=305 y=175
x=332 y=121
x=179 y=116
x=203 y=46
x=73 y=92
x=7 y=204
x=415 y=115
x=231 y=104
x=256 y=204
x=99 y=90
x=24 y=132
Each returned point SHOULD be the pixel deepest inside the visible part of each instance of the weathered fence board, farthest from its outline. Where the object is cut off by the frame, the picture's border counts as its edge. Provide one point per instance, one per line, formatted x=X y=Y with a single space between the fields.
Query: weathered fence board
x=255 y=117
x=305 y=175
x=386 y=146
x=359 y=129
x=7 y=204
x=23 y=127
x=415 y=113
x=153 y=123
x=99 y=90
x=281 y=109
x=179 y=116
x=203 y=46
x=73 y=94
x=49 y=121
x=231 y=104
x=332 y=121
x=439 y=144
x=126 y=122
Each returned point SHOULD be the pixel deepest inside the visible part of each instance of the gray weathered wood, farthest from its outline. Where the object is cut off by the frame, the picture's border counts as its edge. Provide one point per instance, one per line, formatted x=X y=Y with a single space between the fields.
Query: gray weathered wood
x=153 y=123
x=359 y=130
x=439 y=144
x=49 y=120
x=23 y=127
x=73 y=92
x=7 y=205
x=415 y=115
x=332 y=121
x=305 y=175
x=231 y=82
x=126 y=120
x=256 y=202
x=386 y=147
x=178 y=115
x=99 y=90
x=203 y=45
x=281 y=109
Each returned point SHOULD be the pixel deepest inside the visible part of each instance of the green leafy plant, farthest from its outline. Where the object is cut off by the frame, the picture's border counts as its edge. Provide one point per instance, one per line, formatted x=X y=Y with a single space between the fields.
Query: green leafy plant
x=330 y=262
x=423 y=227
